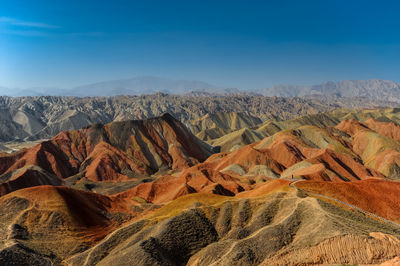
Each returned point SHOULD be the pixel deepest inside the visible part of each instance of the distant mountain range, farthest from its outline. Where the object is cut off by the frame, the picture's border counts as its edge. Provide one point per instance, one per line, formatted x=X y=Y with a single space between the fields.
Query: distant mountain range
x=133 y=86
x=141 y=85
x=373 y=89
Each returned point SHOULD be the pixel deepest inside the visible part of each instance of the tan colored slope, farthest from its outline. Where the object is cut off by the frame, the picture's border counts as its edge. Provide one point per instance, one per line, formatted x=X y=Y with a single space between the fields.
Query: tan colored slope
x=244 y=136
x=382 y=114
x=390 y=117
x=237 y=139
x=210 y=134
x=378 y=152
x=369 y=249
x=203 y=229
x=225 y=120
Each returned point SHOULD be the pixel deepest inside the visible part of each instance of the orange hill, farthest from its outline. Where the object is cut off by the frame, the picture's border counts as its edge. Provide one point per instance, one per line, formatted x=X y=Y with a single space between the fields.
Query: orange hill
x=375 y=196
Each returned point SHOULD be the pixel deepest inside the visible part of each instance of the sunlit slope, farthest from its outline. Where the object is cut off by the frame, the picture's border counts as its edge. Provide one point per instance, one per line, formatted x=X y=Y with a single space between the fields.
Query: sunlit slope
x=271 y=228
x=383 y=123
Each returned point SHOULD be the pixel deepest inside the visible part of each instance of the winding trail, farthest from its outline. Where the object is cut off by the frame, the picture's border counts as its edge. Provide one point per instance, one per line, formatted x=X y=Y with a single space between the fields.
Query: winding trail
x=293 y=185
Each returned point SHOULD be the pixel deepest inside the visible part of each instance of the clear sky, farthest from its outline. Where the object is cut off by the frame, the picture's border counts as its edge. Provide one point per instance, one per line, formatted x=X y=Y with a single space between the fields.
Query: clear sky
x=243 y=44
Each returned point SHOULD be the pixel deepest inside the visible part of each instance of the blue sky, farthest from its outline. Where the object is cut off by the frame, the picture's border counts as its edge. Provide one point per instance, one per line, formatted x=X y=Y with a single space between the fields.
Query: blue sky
x=243 y=44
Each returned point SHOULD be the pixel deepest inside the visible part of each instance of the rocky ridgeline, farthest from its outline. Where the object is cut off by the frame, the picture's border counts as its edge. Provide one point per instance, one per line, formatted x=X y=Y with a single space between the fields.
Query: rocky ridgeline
x=32 y=118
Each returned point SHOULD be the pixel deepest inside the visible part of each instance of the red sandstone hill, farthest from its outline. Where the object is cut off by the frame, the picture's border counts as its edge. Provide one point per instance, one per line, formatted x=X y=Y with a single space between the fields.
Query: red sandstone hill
x=120 y=151
x=28 y=176
x=287 y=155
x=112 y=152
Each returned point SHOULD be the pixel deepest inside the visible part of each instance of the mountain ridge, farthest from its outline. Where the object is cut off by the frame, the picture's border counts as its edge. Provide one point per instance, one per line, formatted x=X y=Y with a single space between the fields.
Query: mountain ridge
x=32 y=118
x=377 y=89
x=373 y=89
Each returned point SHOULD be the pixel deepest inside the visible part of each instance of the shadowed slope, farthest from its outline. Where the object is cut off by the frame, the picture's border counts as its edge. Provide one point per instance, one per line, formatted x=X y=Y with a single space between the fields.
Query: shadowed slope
x=26 y=177
x=228 y=121
x=233 y=231
x=58 y=221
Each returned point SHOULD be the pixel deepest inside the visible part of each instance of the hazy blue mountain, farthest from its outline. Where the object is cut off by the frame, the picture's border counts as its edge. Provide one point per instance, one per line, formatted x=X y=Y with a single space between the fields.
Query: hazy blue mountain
x=15 y=92
x=281 y=91
x=139 y=86
x=4 y=91
x=36 y=91
x=373 y=89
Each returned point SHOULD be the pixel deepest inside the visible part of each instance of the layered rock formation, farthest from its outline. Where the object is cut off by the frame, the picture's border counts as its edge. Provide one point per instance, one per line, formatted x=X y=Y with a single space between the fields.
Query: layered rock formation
x=300 y=194
x=113 y=152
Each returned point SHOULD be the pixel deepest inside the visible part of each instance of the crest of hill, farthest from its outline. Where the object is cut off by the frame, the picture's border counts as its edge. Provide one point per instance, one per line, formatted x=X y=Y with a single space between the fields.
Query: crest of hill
x=225 y=121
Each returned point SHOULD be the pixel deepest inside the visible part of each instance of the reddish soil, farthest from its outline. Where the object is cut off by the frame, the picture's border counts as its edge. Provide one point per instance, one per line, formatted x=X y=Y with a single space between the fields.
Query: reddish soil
x=372 y=195
x=107 y=152
x=388 y=129
x=351 y=126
